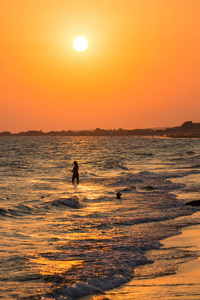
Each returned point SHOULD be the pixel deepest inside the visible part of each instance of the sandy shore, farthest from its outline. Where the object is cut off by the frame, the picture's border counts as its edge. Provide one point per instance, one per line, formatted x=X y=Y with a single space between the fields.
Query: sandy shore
x=184 y=284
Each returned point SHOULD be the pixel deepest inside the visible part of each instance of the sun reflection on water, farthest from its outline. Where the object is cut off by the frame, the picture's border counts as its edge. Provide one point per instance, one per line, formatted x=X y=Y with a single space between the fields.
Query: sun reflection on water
x=51 y=267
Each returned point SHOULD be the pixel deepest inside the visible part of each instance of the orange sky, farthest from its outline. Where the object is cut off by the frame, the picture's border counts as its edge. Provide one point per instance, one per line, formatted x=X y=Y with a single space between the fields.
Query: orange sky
x=141 y=68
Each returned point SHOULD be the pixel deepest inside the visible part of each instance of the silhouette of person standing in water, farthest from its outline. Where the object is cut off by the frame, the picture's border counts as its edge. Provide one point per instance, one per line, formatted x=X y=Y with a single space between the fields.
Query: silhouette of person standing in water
x=75 y=173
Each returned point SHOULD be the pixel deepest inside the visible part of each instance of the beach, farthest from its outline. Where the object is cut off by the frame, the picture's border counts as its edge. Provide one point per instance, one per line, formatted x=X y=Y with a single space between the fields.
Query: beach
x=60 y=240
x=184 y=284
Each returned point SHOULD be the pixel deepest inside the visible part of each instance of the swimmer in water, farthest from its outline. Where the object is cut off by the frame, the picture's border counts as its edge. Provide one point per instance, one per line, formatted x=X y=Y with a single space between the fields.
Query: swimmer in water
x=75 y=173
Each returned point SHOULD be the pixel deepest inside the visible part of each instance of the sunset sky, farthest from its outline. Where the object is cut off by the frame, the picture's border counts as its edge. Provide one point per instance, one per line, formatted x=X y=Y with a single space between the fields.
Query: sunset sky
x=141 y=68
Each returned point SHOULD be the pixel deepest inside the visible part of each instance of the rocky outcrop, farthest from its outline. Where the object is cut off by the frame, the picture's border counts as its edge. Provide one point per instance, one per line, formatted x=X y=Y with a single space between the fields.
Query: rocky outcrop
x=193 y=203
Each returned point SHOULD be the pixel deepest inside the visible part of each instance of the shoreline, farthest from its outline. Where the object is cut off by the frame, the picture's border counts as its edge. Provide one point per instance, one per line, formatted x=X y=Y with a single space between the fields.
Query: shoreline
x=183 y=284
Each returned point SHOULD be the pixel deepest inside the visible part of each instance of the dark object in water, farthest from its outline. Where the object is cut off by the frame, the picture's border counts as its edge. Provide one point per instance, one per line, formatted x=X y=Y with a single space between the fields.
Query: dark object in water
x=149 y=187
x=118 y=194
x=193 y=203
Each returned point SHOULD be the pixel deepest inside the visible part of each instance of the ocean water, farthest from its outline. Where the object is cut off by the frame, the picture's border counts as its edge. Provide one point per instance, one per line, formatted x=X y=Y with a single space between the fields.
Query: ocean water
x=64 y=241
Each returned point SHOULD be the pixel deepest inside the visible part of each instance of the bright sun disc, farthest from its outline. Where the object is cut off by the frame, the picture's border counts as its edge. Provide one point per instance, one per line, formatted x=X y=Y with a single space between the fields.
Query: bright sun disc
x=80 y=43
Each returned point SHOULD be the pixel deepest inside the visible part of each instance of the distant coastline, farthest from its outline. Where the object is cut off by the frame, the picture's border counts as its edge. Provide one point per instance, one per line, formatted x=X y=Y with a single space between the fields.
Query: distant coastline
x=186 y=130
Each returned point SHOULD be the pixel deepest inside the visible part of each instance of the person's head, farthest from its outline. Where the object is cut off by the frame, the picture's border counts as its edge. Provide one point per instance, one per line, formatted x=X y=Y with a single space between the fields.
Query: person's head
x=75 y=163
x=118 y=194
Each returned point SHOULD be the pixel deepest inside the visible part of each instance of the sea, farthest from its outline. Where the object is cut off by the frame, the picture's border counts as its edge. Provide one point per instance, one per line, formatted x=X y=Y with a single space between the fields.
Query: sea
x=64 y=241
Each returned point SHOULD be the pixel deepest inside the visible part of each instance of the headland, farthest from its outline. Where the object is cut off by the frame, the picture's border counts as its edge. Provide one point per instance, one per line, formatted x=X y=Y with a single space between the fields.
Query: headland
x=186 y=130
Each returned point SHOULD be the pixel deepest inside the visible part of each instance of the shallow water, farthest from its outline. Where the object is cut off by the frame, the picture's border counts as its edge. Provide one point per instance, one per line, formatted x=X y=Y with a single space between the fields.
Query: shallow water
x=63 y=241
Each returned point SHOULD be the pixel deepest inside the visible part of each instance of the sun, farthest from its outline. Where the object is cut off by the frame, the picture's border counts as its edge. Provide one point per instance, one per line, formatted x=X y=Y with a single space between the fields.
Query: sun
x=80 y=43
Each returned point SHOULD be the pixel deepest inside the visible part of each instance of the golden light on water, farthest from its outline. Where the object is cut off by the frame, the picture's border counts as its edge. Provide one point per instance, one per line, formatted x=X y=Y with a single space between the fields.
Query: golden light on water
x=50 y=267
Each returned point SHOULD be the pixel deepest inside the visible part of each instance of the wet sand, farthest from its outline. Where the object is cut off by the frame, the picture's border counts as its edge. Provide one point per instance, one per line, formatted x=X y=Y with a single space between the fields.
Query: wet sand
x=184 y=284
